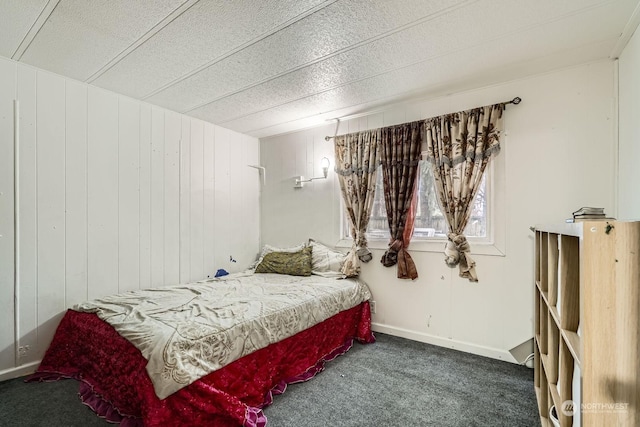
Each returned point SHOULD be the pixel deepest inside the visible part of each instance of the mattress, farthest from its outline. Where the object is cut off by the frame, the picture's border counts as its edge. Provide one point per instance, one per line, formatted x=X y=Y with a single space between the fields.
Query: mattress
x=309 y=321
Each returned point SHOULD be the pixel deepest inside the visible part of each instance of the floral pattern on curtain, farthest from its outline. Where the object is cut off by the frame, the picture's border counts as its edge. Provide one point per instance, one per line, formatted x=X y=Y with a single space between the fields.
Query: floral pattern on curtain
x=459 y=147
x=399 y=157
x=356 y=166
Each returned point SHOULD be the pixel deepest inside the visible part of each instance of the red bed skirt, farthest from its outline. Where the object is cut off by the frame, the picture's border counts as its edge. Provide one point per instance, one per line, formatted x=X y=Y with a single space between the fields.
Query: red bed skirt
x=115 y=384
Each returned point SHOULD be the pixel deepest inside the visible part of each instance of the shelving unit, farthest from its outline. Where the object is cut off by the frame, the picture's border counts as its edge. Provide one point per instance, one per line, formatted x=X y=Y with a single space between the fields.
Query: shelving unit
x=587 y=323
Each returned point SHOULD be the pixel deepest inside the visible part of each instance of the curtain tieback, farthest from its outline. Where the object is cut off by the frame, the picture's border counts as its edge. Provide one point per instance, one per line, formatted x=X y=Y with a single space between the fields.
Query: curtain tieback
x=397 y=254
x=351 y=266
x=364 y=253
x=456 y=246
x=390 y=256
x=457 y=252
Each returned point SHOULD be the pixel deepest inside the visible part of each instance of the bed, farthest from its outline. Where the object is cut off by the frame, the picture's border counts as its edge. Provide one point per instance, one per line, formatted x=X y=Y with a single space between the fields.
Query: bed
x=212 y=352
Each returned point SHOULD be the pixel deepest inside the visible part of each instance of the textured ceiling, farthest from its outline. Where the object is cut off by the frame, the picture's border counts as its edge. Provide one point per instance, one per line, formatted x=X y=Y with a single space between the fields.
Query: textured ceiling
x=267 y=67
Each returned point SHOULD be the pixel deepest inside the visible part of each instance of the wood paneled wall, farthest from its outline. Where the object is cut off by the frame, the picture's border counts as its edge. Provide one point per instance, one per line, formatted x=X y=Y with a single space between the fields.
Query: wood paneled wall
x=113 y=195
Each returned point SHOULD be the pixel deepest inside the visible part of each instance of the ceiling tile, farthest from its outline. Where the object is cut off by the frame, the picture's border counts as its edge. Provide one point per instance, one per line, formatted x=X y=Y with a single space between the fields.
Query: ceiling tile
x=264 y=67
x=404 y=49
x=334 y=28
x=81 y=36
x=15 y=21
x=208 y=31
x=438 y=76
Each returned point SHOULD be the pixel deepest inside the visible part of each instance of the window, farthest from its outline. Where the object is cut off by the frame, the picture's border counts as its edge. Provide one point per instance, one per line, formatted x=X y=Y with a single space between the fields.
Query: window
x=430 y=223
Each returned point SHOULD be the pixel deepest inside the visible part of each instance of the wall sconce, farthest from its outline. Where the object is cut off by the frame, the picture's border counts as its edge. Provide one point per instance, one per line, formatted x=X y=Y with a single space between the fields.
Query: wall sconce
x=299 y=180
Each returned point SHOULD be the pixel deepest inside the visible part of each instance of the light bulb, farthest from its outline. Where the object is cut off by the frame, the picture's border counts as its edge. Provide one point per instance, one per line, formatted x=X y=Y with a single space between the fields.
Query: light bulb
x=325 y=166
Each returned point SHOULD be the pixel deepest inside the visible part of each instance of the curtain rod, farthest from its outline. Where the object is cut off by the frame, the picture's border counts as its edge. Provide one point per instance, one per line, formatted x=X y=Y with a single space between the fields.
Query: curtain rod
x=328 y=138
x=515 y=101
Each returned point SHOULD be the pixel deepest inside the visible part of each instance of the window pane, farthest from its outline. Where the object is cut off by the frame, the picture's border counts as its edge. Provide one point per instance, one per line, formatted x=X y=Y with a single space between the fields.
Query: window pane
x=378 y=225
x=430 y=222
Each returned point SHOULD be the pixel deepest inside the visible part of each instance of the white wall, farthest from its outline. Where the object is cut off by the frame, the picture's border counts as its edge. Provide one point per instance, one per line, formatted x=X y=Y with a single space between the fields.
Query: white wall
x=629 y=131
x=559 y=154
x=114 y=195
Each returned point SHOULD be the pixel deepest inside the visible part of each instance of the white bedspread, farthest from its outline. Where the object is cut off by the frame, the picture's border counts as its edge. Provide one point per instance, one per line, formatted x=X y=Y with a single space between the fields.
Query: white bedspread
x=188 y=331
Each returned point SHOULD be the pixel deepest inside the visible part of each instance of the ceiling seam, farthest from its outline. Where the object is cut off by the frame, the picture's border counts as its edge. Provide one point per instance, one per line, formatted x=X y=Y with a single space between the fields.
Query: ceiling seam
x=241 y=47
x=336 y=53
x=627 y=33
x=175 y=14
x=448 y=53
x=371 y=40
x=402 y=96
x=35 y=28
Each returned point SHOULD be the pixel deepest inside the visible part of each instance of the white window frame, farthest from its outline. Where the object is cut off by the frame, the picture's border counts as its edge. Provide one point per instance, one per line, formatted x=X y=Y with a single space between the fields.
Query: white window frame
x=493 y=244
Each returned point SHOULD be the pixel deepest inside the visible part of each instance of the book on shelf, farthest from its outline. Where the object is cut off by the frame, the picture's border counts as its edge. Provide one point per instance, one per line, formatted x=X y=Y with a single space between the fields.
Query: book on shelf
x=589 y=214
x=589 y=211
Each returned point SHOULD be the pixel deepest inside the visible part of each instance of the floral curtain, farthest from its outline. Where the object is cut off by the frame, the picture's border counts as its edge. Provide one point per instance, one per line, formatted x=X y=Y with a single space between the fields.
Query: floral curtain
x=356 y=166
x=399 y=157
x=459 y=147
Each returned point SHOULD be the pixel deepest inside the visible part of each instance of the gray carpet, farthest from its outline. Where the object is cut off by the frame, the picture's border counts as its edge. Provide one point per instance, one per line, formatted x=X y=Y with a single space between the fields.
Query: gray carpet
x=394 y=382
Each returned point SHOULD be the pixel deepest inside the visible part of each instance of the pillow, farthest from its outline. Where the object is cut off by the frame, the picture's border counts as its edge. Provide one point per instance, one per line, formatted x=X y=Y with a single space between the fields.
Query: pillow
x=266 y=249
x=325 y=261
x=292 y=263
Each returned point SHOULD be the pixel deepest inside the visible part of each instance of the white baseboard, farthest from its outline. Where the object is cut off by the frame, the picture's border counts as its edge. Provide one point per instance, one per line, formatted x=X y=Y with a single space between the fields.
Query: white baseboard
x=19 y=371
x=480 y=350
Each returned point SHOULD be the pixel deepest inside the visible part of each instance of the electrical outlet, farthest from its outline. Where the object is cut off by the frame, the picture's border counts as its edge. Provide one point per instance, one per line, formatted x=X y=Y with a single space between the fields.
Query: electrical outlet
x=372 y=306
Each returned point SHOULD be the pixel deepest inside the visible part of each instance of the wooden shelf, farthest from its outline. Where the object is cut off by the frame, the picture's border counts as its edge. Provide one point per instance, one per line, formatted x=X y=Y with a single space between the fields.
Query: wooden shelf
x=554 y=314
x=573 y=343
x=545 y=297
x=552 y=308
x=545 y=361
x=567 y=229
x=555 y=396
x=544 y=421
x=587 y=278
